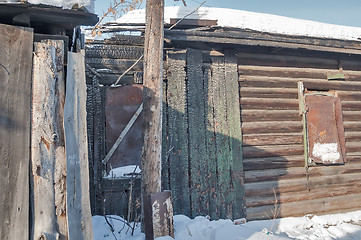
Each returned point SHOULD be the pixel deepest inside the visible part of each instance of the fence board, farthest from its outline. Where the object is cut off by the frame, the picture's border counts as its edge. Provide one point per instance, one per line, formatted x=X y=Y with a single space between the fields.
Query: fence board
x=235 y=134
x=222 y=139
x=78 y=204
x=15 y=89
x=198 y=159
x=178 y=132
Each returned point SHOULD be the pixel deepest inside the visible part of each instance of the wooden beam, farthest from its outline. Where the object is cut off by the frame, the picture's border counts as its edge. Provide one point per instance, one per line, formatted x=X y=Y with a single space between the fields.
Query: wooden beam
x=152 y=100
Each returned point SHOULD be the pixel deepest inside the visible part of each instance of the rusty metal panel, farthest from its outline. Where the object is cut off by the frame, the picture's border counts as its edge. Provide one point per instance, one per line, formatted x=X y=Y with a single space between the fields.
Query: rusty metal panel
x=325 y=132
x=120 y=105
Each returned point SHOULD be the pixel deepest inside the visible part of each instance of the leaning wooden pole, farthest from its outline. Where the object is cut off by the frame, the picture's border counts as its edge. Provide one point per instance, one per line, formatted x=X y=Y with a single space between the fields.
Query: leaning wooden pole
x=152 y=99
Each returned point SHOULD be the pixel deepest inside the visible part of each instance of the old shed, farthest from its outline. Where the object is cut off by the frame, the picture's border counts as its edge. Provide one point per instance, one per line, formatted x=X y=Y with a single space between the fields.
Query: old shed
x=256 y=108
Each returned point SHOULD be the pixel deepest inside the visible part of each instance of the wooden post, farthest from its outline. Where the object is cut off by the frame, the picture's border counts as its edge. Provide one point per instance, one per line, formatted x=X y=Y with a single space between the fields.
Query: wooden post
x=152 y=98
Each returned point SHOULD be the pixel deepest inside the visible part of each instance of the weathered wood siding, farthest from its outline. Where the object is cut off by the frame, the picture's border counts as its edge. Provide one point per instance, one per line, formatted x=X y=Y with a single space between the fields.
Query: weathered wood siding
x=15 y=97
x=273 y=141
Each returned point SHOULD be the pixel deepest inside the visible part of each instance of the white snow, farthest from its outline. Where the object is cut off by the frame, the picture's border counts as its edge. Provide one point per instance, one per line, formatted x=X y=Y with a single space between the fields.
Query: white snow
x=254 y=21
x=327 y=152
x=125 y=171
x=327 y=227
x=89 y=4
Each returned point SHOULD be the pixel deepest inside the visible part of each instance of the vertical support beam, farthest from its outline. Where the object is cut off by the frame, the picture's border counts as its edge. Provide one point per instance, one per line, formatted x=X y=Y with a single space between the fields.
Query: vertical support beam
x=153 y=74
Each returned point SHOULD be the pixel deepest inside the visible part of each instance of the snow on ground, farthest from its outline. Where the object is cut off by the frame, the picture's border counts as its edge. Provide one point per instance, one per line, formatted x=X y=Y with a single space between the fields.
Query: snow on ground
x=126 y=171
x=255 y=21
x=337 y=226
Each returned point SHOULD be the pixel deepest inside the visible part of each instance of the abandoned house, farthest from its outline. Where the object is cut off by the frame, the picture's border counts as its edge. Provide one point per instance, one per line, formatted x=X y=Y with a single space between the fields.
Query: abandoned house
x=256 y=108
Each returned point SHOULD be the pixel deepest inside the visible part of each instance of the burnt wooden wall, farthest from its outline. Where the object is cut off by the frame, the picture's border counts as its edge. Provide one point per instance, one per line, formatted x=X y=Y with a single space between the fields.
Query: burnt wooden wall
x=272 y=134
x=15 y=98
x=202 y=159
x=198 y=125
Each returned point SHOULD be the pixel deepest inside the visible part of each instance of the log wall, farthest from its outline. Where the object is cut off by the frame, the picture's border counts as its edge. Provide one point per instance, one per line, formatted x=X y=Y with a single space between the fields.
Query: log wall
x=273 y=148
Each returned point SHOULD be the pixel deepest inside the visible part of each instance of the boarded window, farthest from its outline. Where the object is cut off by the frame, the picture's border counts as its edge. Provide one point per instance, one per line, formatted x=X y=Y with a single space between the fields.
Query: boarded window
x=325 y=131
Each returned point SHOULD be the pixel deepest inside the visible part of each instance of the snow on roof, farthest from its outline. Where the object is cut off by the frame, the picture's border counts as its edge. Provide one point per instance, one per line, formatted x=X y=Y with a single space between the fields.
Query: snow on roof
x=255 y=21
x=89 y=4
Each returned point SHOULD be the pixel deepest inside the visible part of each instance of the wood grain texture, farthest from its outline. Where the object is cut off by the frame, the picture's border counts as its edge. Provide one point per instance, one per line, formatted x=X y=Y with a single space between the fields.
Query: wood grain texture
x=223 y=152
x=48 y=146
x=198 y=160
x=178 y=132
x=235 y=135
x=15 y=98
x=78 y=203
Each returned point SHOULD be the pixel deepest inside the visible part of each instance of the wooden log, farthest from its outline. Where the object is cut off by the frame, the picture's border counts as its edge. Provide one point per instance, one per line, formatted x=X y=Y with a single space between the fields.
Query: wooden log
x=272 y=139
x=313 y=84
x=46 y=149
x=271 y=127
x=178 y=131
x=295 y=72
x=352 y=136
x=299 y=172
x=351 y=105
x=272 y=151
x=349 y=96
x=273 y=162
x=294 y=185
x=268 y=116
x=353 y=146
x=268 y=103
x=314 y=206
x=118 y=64
x=352 y=126
x=330 y=191
x=77 y=179
x=113 y=51
x=276 y=60
x=235 y=135
x=351 y=115
x=250 y=92
x=198 y=159
x=15 y=99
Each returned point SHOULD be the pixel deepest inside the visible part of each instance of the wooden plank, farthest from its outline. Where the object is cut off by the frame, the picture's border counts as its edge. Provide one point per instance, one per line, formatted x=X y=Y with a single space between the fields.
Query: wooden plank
x=113 y=51
x=223 y=153
x=351 y=105
x=295 y=72
x=285 y=93
x=314 y=84
x=278 y=60
x=272 y=139
x=272 y=127
x=48 y=147
x=165 y=141
x=299 y=172
x=272 y=151
x=351 y=136
x=305 y=195
x=235 y=134
x=271 y=115
x=118 y=64
x=178 y=131
x=314 y=206
x=77 y=179
x=128 y=79
x=15 y=98
x=211 y=143
x=273 y=162
x=275 y=60
x=198 y=159
x=352 y=126
x=351 y=115
x=268 y=103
